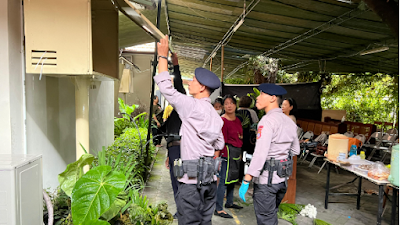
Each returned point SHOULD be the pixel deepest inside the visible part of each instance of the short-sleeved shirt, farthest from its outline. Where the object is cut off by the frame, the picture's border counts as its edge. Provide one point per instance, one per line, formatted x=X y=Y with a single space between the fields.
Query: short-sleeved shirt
x=231 y=131
x=275 y=136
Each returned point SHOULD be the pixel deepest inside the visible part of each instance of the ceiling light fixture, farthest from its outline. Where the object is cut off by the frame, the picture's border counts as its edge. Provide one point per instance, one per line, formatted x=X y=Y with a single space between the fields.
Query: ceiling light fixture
x=346 y=1
x=374 y=50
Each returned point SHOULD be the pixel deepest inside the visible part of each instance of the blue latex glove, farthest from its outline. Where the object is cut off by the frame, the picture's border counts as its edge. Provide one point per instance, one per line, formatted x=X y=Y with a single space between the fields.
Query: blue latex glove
x=243 y=189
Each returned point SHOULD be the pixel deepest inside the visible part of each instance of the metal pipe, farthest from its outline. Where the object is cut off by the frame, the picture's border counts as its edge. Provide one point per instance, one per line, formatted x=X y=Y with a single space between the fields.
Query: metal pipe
x=222 y=63
x=155 y=62
x=228 y=35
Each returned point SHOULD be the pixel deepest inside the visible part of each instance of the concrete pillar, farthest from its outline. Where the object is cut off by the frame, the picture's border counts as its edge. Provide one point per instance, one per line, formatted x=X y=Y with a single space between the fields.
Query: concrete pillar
x=12 y=126
x=82 y=115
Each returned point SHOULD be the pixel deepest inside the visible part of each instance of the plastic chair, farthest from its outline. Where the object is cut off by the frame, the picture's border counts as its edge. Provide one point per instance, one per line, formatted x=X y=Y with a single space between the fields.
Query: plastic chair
x=392 y=131
x=349 y=134
x=308 y=135
x=321 y=138
x=361 y=137
x=377 y=136
x=390 y=140
x=299 y=132
x=377 y=146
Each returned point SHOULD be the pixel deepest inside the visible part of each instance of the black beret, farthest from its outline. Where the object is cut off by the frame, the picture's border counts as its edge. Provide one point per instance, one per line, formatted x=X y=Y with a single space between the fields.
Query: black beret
x=272 y=89
x=207 y=78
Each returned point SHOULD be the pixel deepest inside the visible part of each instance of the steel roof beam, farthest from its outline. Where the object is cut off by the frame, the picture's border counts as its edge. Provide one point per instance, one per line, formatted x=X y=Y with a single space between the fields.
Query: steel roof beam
x=323 y=27
x=228 y=35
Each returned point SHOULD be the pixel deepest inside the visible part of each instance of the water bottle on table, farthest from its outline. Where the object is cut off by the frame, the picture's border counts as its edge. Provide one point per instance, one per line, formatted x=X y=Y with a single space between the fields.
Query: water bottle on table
x=353 y=150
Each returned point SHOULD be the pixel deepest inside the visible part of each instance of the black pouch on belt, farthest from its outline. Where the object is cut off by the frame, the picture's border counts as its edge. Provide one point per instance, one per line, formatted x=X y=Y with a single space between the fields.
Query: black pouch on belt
x=285 y=168
x=190 y=168
x=208 y=170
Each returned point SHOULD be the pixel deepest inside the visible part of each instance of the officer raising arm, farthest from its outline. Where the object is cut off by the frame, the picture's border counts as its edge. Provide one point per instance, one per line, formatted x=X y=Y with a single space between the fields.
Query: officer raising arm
x=201 y=134
x=272 y=162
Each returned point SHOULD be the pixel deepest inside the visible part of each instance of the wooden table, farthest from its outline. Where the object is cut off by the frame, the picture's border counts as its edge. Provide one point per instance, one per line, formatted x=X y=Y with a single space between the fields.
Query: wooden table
x=360 y=176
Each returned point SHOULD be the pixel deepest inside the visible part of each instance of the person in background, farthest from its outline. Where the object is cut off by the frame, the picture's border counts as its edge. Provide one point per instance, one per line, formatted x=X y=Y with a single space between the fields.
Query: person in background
x=231 y=156
x=156 y=122
x=218 y=105
x=248 y=117
x=244 y=104
x=289 y=107
x=172 y=127
x=167 y=112
x=276 y=142
x=201 y=133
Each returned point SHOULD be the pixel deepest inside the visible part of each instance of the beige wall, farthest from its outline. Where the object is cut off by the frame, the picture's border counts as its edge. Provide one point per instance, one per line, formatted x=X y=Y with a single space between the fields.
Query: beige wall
x=51 y=121
x=141 y=81
x=12 y=131
x=50 y=105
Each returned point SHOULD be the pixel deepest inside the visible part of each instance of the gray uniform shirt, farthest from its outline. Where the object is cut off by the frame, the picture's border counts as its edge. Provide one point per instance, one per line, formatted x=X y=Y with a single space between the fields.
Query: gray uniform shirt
x=275 y=136
x=201 y=129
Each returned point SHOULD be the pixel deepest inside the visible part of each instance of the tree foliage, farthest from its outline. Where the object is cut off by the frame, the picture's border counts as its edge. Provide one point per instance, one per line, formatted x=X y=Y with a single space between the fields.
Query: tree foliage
x=366 y=98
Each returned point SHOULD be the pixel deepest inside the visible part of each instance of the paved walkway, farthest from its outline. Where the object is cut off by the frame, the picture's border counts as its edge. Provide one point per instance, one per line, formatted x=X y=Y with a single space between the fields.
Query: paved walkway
x=310 y=190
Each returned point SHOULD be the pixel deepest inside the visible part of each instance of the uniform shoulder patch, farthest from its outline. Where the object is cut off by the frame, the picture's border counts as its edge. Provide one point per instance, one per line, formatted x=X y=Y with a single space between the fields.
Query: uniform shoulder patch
x=259 y=132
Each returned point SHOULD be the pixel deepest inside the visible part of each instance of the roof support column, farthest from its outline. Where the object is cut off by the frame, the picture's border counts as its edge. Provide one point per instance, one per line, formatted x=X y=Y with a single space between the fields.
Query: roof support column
x=222 y=64
x=82 y=115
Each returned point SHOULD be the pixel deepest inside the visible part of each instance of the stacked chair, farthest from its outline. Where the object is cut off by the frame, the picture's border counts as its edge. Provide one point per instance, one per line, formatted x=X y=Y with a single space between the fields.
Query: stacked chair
x=309 y=135
x=316 y=147
x=380 y=141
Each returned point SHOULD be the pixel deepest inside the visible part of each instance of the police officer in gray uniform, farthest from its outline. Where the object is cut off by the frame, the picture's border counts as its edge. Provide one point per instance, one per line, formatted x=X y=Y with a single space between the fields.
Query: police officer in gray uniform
x=272 y=162
x=201 y=134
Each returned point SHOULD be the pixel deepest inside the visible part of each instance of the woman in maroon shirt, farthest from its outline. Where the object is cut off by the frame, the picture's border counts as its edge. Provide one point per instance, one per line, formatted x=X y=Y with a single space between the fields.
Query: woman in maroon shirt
x=231 y=156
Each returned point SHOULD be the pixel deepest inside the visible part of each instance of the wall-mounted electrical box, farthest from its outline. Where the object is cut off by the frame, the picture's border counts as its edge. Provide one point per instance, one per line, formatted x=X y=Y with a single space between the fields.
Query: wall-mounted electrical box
x=71 y=37
x=21 y=190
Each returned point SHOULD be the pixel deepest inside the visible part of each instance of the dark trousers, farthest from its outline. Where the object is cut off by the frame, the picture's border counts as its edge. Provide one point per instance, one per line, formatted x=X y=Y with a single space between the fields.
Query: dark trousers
x=222 y=187
x=174 y=152
x=196 y=206
x=266 y=202
x=157 y=140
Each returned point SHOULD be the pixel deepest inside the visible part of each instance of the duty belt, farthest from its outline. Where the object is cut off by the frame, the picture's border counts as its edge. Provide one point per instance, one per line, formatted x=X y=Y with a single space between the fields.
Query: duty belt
x=173 y=143
x=283 y=168
x=172 y=137
x=203 y=169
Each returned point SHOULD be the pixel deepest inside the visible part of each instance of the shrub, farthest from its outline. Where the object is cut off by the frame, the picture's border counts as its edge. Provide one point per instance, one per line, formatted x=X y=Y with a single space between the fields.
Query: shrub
x=132 y=143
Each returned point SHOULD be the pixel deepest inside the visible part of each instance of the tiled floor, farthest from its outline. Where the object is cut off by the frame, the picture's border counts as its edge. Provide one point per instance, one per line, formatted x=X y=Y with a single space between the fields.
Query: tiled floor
x=310 y=190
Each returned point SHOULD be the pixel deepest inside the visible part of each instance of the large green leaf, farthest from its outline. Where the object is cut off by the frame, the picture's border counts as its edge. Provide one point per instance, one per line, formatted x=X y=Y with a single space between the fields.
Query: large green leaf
x=121 y=105
x=96 y=222
x=114 y=209
x=95 y=192
x=74 y=171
